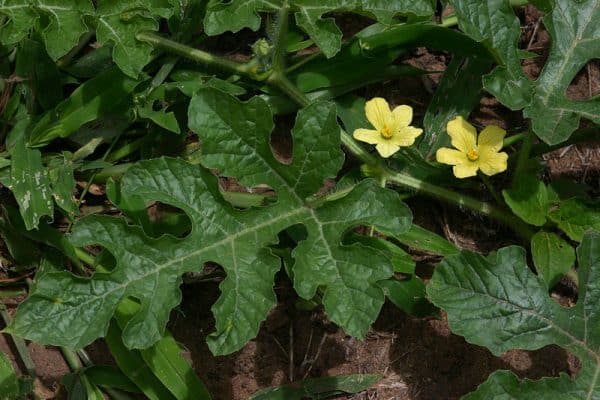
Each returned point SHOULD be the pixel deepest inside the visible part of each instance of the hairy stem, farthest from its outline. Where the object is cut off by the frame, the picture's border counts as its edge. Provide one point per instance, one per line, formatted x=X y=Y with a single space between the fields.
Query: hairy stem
x=193 y=54
x=278 y=63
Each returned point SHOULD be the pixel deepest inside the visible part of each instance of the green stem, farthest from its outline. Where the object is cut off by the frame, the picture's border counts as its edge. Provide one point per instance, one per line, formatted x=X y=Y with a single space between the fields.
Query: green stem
x=517 y=137
x=193 y=54
x=115 y=170
x=72 y=359
x=523 y=157
x=278 y=63
x=462 y=200
x=125 y=150
x=488 y=184
x=20 y=345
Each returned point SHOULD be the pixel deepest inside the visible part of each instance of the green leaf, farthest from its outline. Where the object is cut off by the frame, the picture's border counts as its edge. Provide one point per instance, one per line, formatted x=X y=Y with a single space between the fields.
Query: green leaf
x=30 y=184
x=60 y=172
x=133 y=365
x=65 y=24
x=79 y=387
x=106 y=94
x=235 y=141
x=575 y=36
x=463 y=76
x=165 y=361
x=119 y=22
x=409 y=296
x=495 y=24
x=9 y=383
x=21 y=19
x=62 y=24
x=528 y=198
x=111 y=377
x=318 y=388
x=552 y=256
x=422 y=239
x=41 y=76
x=576 y=216
x=497 y=302
x=163 y=118
x=238 y=14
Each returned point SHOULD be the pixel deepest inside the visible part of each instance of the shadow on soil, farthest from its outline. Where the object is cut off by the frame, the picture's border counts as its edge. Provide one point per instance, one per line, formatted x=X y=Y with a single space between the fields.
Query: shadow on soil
x=420 y=358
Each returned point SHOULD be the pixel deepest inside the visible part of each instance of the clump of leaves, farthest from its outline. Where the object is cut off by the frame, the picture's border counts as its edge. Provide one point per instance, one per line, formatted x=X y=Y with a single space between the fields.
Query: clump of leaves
x=235 y=139
x=497 y=302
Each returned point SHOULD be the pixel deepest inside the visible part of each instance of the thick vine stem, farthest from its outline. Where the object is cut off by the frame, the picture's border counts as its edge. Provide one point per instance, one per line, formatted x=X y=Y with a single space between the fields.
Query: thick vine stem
x=194 y=54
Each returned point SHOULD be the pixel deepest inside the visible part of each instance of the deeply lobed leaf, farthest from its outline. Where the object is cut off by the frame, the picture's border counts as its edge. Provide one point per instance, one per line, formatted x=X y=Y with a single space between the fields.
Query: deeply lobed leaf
x=575 y=33
x=497 y=302
x=71 y=311
x=238 y=14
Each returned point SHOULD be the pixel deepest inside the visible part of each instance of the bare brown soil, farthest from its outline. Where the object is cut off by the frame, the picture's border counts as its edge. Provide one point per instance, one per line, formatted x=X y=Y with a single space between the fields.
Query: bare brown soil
x=419 y=359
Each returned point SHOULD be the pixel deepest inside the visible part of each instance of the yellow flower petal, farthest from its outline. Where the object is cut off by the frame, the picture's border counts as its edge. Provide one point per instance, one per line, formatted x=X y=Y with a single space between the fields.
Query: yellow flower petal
x=403 y=115
x=386 y=149
x=463 y=134
x=465 y=170
x=492 y=163
x=370 y=136
x=448 y=156
x=491 y=136
x=378 y=112
x=406 y=136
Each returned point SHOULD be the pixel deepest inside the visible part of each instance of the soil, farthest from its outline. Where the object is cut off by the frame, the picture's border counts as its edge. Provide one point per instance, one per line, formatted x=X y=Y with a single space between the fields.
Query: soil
x=419 y=359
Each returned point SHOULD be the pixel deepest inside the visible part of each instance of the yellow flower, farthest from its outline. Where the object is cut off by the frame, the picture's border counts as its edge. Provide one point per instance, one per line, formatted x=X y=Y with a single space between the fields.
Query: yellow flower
x=473 y=153
x=392 y=128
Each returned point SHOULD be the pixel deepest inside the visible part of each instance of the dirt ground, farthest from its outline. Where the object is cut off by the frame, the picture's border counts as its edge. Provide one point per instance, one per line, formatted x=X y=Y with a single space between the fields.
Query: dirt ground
x=420 y=359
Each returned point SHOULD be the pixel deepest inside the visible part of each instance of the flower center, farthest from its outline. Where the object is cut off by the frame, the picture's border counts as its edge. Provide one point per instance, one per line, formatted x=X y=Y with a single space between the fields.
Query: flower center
x=473 y=154
x=386 y=132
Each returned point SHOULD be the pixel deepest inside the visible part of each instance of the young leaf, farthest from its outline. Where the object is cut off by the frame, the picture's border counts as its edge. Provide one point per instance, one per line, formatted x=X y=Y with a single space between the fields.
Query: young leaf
x=30 y=184
x=106 y=94
x=238 y=14
x=463 y=76
x=575 y=35
x=71 y=311
x=575 y=216
x=552 y=257
x=119 y=22
x=528 y=198
x=65 y=24
x=497 y=302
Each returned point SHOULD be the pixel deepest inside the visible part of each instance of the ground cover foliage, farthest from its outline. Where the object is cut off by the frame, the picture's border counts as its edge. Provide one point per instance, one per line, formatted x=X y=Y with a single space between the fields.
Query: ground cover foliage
x=158 y=125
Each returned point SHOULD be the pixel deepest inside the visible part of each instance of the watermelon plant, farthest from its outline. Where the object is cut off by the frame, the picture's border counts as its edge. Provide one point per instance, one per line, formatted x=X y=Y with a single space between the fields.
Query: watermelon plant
x=113 y=110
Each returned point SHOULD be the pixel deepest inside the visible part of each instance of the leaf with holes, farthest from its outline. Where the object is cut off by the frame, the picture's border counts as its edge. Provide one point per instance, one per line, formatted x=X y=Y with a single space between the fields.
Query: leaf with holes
x=238 y=14
x=497 y=302
x=60 y=24
x=71 y=311
x=575 y=32
x=119 y=22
